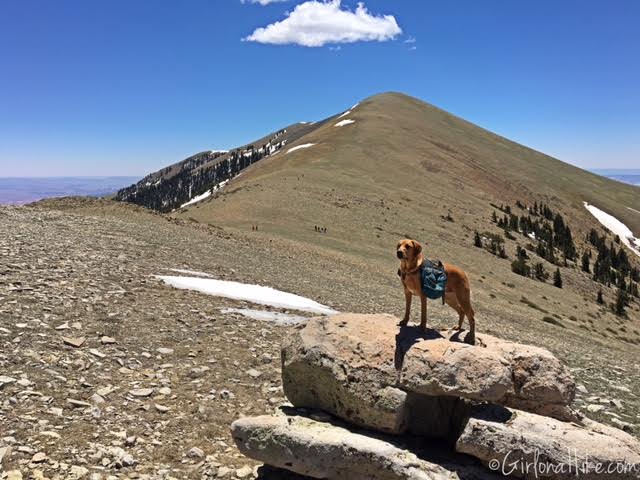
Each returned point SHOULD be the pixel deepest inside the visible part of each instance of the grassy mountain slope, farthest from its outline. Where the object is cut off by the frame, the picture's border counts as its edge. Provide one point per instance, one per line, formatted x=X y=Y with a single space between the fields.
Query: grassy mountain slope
x=176 y=184
x=400 y=166
x=397 y=171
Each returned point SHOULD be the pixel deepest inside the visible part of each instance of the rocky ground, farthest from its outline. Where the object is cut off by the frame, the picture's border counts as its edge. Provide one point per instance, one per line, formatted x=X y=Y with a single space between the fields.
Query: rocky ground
x=105 y=372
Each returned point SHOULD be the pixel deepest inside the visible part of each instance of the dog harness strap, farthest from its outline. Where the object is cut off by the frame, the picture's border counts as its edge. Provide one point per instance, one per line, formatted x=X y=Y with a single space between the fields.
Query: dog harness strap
x=403 y=275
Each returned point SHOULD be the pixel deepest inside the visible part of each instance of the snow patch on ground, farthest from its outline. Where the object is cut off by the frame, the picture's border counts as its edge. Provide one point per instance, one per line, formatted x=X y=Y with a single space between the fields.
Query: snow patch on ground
x=190 y=272
x=276 y=317
x=345 y=114
x=617 y=227
x=247 y=292
x=633 y=210
x=355 y=106
x=206 y=194
x=306 y=145
x=196 y=199
x=342 y=123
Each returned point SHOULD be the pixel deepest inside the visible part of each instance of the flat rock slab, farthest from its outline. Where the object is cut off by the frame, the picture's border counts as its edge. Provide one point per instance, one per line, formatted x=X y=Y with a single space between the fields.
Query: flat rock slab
x=78 y=403
x=141 y=392
x=365 y=369
x=328 y=451
x=529 y=446
x=75 y=342
x=4 y=453
x=5 y=380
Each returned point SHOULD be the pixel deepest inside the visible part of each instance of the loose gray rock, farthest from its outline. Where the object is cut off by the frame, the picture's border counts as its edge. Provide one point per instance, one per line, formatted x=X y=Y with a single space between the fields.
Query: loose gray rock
x=141 y=392
x=244 y=472
x=4 y=453
x=195 y=452
x=78 y=403
x=76 y=472
x=5 y=380
x=594 y=408
x=75 y=342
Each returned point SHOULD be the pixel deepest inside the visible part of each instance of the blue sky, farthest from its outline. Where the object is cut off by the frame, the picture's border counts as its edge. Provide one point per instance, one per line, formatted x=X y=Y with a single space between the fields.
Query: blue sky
x=124 y=87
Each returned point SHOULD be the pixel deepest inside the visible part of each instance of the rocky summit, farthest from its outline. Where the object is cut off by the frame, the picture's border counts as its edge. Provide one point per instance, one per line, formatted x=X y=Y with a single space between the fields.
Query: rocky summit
x=107 y=372
x=364 y=390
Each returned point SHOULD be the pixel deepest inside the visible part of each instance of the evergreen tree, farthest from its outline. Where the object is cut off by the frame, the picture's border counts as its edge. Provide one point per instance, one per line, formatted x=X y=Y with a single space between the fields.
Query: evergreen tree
x=520 y=267
x=521 y=253
x=621 y=302
x=585 y=262
x=477 y=241
x=599 y=298
x=557 y=279
x=539 y=272
x=513 y=222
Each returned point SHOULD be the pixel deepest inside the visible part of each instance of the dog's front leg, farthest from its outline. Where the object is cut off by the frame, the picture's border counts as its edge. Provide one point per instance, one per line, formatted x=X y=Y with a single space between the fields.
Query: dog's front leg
x=407 y=307
x=423 y=312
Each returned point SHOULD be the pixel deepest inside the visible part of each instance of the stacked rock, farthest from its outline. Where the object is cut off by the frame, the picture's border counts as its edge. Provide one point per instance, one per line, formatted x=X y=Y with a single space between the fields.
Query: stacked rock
x=372 y=401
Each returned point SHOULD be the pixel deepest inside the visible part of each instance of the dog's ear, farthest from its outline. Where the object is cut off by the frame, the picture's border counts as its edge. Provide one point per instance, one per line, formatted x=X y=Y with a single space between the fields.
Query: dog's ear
x=416 y=245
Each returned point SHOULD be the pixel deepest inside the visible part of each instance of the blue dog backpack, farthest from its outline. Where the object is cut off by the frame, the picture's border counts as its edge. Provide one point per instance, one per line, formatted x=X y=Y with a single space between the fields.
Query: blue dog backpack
x=434 y=279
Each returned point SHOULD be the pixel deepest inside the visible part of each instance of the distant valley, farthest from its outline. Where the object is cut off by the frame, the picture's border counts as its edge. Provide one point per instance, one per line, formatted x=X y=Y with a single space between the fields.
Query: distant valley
x=630 y=176
x=22 y=190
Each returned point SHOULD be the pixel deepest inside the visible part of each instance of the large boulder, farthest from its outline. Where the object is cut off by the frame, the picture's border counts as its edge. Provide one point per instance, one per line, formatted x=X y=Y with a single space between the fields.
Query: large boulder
x=503 y=403
x=526 y=445
x=330 y=451
x=364 y=369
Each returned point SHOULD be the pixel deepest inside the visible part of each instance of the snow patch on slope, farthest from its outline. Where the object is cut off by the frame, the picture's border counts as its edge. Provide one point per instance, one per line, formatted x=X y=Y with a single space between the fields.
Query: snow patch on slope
x=196 y=199
x=276 y=317
x=206 y=194
x=617 y=227
x=306 y=145
x=342 y=123
x=190 y=272
x=348 y=111
x=247 y=292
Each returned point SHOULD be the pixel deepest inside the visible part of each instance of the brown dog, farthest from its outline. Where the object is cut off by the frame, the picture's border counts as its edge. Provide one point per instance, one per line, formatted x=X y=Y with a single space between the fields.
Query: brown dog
x=457 y=293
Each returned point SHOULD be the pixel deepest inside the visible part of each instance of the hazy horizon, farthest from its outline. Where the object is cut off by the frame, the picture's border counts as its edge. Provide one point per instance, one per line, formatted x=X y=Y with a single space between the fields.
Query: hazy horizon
x=22 y=190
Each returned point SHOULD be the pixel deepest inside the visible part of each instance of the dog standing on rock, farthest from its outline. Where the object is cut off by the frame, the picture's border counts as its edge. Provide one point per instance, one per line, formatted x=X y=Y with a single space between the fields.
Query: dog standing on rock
x=457 y=293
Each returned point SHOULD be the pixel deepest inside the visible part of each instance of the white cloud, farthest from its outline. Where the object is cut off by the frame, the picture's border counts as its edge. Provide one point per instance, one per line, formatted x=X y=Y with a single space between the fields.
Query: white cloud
x=262 y=2
x=410 y=40
x=316 y=23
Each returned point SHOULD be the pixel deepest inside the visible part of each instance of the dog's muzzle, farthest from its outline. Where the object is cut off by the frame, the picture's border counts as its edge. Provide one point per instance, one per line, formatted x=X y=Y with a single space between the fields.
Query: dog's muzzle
x=400 y=254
